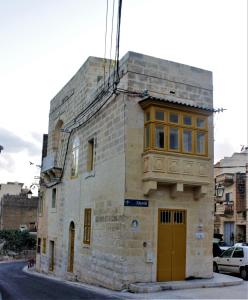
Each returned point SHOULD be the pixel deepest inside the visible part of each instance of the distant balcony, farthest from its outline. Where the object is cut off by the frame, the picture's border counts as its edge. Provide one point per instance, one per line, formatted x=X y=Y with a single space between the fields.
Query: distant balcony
x=177 y=171
x=50 y=170
x=224 y=209
x=225 y=179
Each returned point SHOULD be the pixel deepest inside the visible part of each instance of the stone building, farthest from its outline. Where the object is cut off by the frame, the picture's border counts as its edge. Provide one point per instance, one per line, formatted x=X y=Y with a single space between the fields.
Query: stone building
x=19 y=211
x=12 y=188
x=231 y=202
x=127 y=182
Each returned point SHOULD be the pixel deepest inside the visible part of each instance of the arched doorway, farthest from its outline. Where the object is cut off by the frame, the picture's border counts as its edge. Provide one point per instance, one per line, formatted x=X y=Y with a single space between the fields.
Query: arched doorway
x=71 y=247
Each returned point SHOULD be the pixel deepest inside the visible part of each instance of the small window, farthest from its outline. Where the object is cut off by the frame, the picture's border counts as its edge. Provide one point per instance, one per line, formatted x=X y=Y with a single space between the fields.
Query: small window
x=174 y=118
x=200 y=123
x=187 y=120
x=187 y=141
x=159 y=115
x=228 y=197
x=174 y=140
x=38 y=245
x=201 y=142
x=44 y=246
x=87 y=225
x=54 y=197
x=90 y=160
x=159 y=137
x=147 y=136
x=165 y=216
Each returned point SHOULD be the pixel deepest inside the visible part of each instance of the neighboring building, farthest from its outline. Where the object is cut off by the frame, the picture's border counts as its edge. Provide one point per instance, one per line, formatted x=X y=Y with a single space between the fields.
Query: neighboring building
x=231 y=181
x=12 y=188
x=127 y=182
x=19 y=211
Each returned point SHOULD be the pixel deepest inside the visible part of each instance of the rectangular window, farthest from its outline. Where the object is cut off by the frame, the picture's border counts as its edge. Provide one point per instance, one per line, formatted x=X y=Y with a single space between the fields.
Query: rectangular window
x=159 y=137
x=44 y=246
x=201 y=142
x=38 y=245
x=87 y=225
x=228 y=197
x=54 y=192
x=147 y=136
x=174 y=118
x=159 y=115
x=187 y=140
x=173 y=138
x=90 y=160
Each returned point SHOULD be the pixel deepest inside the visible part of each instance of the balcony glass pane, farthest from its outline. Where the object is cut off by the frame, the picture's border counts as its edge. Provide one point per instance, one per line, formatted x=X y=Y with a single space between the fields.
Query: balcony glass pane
x=200 y=123
x=147 y=136
x=159 y=137
x=148 y=116
x=174 y=142
x=187 y=140
x=187 y=120
x=201 y=142
x=159 y=115
x=174 y=118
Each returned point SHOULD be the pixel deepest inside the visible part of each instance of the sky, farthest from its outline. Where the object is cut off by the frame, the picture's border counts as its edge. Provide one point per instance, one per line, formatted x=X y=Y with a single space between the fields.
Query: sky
x=44 y=43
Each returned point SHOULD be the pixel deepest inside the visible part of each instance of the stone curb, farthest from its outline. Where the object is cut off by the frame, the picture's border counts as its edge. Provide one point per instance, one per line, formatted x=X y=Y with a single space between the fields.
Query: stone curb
x=219 y=280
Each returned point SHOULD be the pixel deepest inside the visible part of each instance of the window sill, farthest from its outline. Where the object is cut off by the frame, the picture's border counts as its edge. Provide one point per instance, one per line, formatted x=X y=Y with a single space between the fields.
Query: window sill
x=53 y=210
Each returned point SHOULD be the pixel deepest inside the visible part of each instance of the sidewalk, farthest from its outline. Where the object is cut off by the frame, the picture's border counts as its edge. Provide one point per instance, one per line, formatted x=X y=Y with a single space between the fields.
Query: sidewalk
x=149 y=290
x=219 y=280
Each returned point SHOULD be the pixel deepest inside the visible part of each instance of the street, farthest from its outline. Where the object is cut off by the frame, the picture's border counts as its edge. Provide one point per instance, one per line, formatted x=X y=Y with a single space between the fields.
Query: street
x=15 y=284
x=18 y=285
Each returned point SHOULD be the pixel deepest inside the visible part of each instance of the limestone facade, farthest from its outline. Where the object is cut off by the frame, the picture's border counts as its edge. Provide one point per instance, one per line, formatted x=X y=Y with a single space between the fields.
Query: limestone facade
x=123 y=243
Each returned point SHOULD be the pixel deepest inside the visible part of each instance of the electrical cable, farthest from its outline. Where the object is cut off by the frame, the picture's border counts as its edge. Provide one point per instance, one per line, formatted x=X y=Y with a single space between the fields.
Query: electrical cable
x=105 y=43
x=110 y=52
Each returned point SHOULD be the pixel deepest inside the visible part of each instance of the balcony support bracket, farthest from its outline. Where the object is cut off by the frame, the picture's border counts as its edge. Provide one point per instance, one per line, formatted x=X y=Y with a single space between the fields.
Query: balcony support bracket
x=149 y=186
x=199 y=192
x=176 y=190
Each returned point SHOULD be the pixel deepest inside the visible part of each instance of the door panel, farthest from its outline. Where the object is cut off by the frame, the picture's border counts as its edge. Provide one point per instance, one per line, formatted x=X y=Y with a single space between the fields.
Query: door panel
x=171 y=256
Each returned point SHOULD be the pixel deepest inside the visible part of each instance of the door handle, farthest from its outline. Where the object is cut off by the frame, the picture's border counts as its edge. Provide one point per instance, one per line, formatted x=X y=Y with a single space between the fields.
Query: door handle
x=240 y=260
x=228 y=259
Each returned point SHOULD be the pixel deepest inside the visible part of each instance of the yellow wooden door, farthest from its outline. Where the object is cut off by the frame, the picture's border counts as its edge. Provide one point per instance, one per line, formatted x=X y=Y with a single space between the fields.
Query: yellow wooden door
x=71 y=247
x=171 y=256
x=51 y=262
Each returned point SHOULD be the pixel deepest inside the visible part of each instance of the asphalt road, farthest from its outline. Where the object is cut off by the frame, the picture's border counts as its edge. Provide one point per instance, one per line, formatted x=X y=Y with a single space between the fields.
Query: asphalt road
x=18 y=285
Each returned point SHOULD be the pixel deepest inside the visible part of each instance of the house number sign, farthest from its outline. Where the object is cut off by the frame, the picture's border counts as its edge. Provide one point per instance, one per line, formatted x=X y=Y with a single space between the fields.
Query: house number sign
x=135 y=202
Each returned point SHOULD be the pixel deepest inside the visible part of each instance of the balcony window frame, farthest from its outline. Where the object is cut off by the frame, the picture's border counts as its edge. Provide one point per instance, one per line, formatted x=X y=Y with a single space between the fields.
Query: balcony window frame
x=152 y=122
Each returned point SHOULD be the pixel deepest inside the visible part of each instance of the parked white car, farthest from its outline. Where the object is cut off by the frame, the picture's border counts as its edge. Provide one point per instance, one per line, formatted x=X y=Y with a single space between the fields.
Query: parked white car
x=233 y=260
